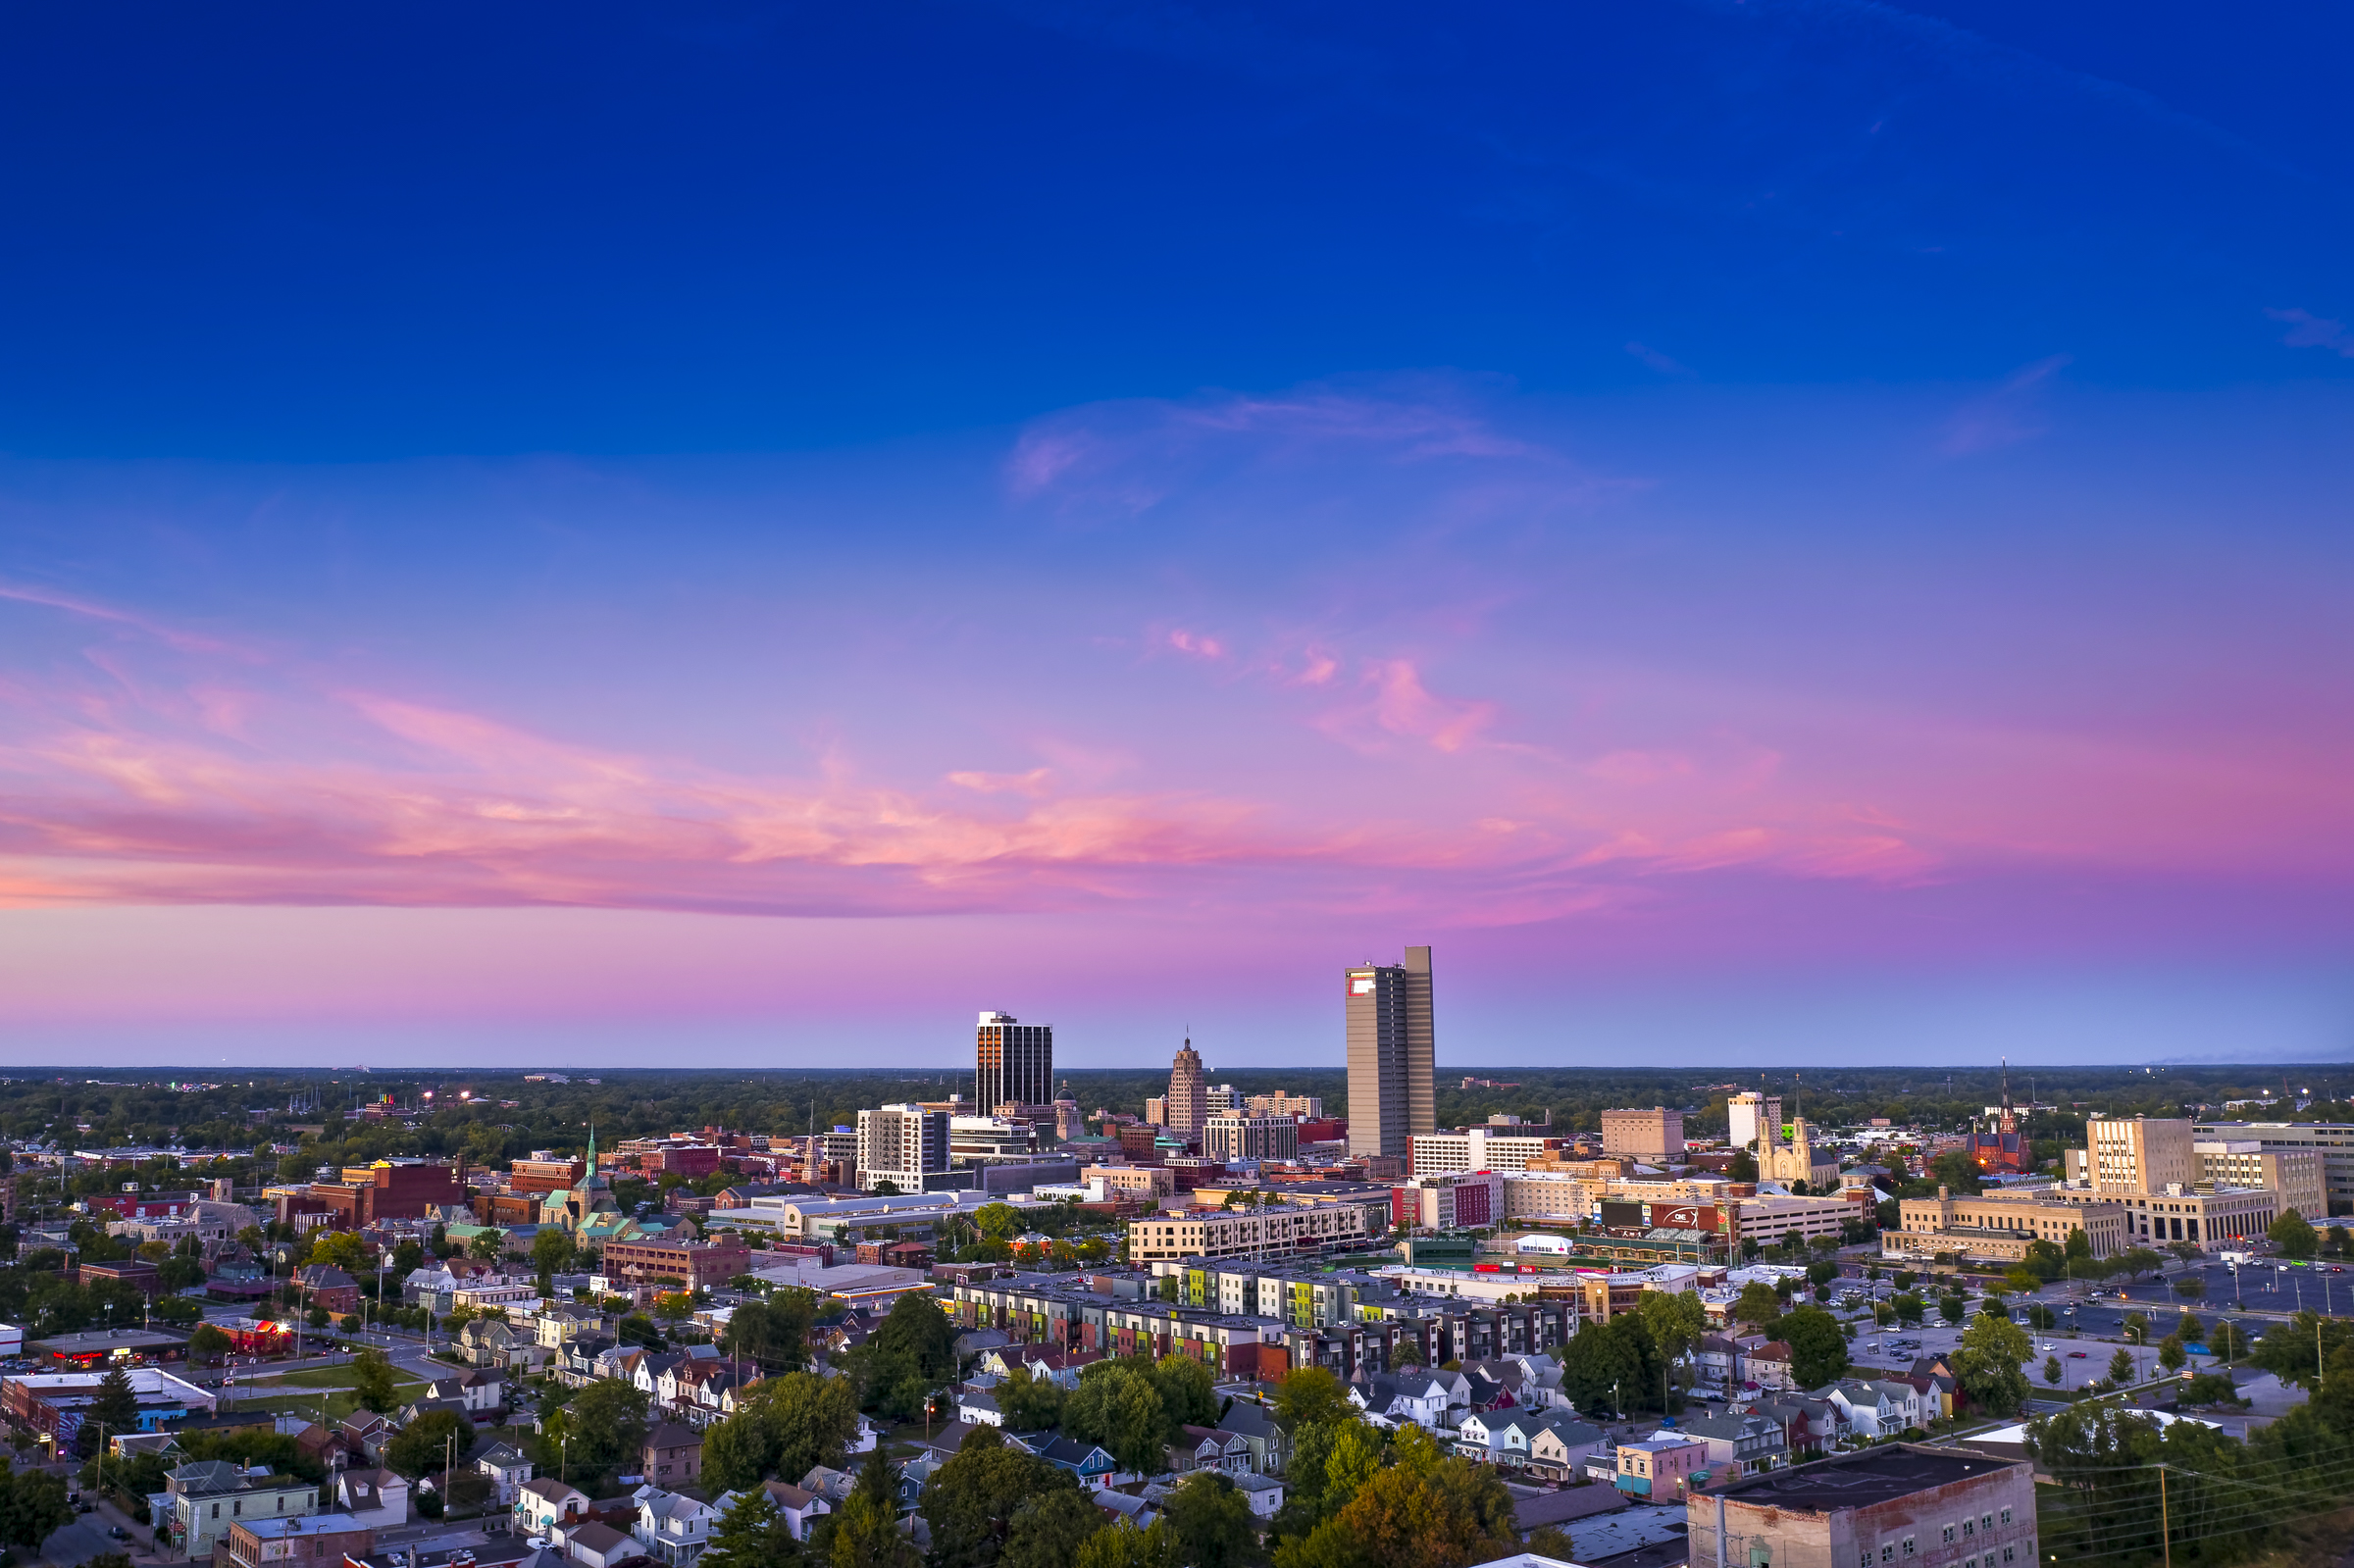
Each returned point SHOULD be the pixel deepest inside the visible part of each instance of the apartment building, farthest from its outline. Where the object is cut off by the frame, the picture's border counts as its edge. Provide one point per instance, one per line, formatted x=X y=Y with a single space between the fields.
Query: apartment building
x=1248 y=1232
x=1147 y=1184
x=1470 y=1200
x=1304 y=1107
x=906 y=1146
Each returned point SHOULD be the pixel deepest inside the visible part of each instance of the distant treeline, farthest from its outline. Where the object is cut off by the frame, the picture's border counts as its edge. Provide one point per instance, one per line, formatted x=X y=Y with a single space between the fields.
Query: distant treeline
x=255 y=1107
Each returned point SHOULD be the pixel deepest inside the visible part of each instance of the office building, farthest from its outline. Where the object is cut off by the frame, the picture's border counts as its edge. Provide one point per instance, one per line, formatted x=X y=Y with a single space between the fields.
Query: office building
x=1219 y=1098
x=1302 y=1107
x=1656 y=1135
x=990 y=1141
x=1157 y=1110
x=1235 y=1136
x=1472 y=1202
x=2000 y=1227
x=906 y=1146
x=1188 y=1097
x=1896 y=1503
x=2295 y=1175
x=2147 y=1155
x=1747 y=1115
x=1015 y=1063
x=2334 y=1141
x=1390 y=1030
x=1479 y=1148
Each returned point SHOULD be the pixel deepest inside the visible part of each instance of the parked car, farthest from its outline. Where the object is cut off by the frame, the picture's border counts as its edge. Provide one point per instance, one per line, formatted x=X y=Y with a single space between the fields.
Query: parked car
x=2075 y=1355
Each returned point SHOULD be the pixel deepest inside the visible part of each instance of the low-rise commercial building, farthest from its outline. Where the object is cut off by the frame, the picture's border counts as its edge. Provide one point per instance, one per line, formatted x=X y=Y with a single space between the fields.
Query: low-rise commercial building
x=2001 y=1226
x=1897 y=1503
x=323 y=1537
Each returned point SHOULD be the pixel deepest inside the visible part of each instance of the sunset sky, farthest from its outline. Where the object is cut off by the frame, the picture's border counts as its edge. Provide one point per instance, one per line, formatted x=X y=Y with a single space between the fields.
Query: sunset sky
x=1762 y=532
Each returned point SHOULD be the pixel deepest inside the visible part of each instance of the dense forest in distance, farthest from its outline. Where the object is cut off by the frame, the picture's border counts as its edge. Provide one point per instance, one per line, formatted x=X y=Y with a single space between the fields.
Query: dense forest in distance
x=494 y=1116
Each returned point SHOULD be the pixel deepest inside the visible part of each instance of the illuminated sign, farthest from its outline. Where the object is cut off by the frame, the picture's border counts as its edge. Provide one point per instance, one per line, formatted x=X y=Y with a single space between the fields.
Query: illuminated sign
x=1360 y=985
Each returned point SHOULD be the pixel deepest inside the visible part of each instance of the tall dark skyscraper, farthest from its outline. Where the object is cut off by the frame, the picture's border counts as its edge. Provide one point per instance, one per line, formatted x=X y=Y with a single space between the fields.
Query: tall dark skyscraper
x=1389 y=1095
x=1015 y=1062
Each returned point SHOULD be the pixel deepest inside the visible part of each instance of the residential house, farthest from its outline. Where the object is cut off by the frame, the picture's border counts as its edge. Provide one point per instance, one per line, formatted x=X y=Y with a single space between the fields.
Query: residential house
x=377 y=1498
x=327 y=1537
x=1807 y=1425
x=325 y=1447
x=1768 y=1366
x=1940 y=1390
x=365 y=1434
x=671 y=1527
x=1270 y=1446
x=1560 y=1445
x=207 y=1497
x=598 y=1546
x=1540 y=1388
x=576 y=1360
x=546 y=1504
x=1738 y=1444
x=673 y=1455
x=835 y=1486
x=1089 y=1463
x=798 y=1506
x=1496 y=1437
x=559 y=1325
x=507 y=1468
x=324 y=1285
x=488 y=1342
x=1409 y=1395
x=1208 y=1448
x=978 y=1408
x=1875 y=1407
x=1264 y=1495
x=1659 y=1468
x=1132 y=1511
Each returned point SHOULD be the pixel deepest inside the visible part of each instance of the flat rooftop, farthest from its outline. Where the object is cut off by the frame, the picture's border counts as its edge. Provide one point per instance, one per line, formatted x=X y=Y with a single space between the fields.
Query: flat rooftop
x=1863 y=1480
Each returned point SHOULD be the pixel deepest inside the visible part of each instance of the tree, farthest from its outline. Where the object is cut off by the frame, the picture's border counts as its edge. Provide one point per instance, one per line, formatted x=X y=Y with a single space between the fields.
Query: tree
x=1677 y=1322
x=865 y=1531
x=1956 y=1170
x=754 y=1533
x=2171 y=1354
x=372 y=1380
x=2079 y=1246
x=917 y=1329
x=1308 y=1396
x=1758 y=1305
x=33 y=1506
x=551 y=1249
x=2293 y=1235
x=1211 y=1523
x=2053 y=1371
x=1987 y=1364
x=599 y=1432
x=1951 y=1308
x=1046 y=1531
x=2120 y=1367
x=773 y=1334
x=998 y=1222
x=1030 y=1403
x=1599 y=1369
x=1122 y=1411
x=2190 y=1286
x=970 y=1502
x=1817 y=1346
x=424 y=1446
x=116 y=1410
x=208 y=1342
x=1744 y=1167
x=2226 y=1341
x=1123 y=1546
x=488 y=1246
x=1187 y=1393
x=343 y=1249
x=1421 y=1512
x=1909 y=1308
x=2191 y=1331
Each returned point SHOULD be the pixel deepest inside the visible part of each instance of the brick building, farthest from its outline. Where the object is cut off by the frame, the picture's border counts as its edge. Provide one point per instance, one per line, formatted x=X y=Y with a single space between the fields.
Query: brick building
x=320 y=1537
x=1897 y=1503
x=699 y=1265
x=366 y=1195
x=545 y=1176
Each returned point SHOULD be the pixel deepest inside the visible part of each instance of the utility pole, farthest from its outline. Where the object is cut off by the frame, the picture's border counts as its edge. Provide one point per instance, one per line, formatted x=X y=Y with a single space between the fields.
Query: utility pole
x=2166 y=1530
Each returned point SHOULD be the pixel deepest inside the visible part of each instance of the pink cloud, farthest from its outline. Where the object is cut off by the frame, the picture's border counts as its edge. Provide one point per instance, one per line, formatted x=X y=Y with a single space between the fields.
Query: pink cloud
x=1194 y=643
x=1405 y=707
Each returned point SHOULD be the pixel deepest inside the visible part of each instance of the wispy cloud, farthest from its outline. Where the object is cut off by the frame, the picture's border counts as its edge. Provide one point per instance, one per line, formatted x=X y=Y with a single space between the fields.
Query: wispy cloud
x=1657 y=359
x=2004 y=417
x=2308 y=331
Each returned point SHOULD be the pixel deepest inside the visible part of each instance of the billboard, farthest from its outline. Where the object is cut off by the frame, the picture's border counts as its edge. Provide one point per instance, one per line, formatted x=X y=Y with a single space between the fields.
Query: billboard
x=1618 y=1213
x=1687 y=1216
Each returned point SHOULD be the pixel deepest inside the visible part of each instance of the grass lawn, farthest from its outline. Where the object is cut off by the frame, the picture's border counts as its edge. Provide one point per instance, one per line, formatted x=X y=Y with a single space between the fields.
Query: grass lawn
x=339 y=1404
x=330 y=1378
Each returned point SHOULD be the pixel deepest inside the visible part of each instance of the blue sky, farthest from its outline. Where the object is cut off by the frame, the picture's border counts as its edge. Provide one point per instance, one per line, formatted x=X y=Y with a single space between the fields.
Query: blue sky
x=1743 y=522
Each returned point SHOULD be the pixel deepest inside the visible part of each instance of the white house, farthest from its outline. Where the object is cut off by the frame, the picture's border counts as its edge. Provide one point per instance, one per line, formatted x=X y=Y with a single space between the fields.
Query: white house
x=377 y=1498
x=799 y=1505
x=546 y=1505
x=507 y=1469
x=1264 y=1493
x=977 y=1407
x=1873 y=1408
x=671 y=1527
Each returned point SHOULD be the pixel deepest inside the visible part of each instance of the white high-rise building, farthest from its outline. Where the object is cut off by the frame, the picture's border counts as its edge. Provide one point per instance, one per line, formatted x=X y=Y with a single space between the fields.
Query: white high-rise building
x=906 y=1145
x=1748 y=1115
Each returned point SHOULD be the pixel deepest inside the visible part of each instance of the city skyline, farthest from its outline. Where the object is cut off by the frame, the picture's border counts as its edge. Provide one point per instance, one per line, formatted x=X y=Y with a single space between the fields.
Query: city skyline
x=1753 y=531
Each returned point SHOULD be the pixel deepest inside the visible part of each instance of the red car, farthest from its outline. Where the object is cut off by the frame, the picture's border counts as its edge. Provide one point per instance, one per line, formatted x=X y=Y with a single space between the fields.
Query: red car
x=2075 y=1355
